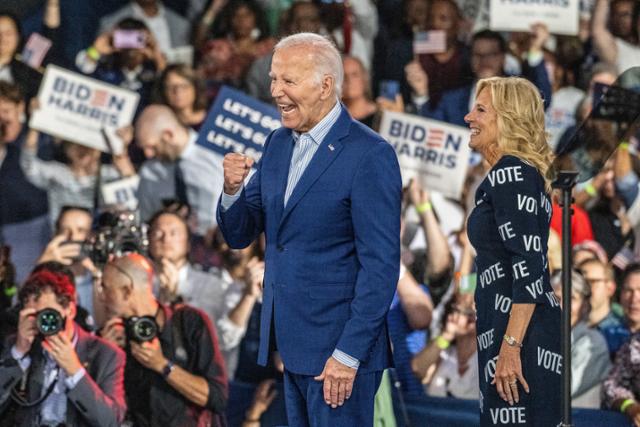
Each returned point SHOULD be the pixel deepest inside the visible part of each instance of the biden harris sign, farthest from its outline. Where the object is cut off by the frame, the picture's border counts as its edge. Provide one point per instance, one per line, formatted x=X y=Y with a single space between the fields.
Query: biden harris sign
x=238 y=123
x=560 y=16
x=77 y=108
x=434 y=152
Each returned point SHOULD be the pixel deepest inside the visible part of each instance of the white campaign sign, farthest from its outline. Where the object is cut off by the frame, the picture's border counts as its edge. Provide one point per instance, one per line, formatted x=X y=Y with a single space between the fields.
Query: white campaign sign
x=77 y=108
x=435 y=152
x=560 y=16
x=122 y=192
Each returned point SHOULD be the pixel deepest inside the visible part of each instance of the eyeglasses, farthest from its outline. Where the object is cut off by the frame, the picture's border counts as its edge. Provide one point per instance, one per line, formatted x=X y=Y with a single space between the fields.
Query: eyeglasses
x=593 y=280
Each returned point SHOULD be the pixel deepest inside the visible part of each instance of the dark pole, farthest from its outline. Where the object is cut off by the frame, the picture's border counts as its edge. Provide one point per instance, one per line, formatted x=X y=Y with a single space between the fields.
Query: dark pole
x=565 y=182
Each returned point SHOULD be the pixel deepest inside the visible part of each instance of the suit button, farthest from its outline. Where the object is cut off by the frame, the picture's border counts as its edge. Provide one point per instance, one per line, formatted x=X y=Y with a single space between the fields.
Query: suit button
x=280 y=248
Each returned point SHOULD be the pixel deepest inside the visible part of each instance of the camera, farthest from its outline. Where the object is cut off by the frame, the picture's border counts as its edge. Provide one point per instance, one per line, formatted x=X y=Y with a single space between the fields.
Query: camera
x=141 y=328
x=49 y=321
x=117 y=233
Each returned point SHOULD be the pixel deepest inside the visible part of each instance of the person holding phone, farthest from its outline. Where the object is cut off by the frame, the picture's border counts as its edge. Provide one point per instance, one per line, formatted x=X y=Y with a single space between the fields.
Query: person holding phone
x=66 y=378
x=127 y=55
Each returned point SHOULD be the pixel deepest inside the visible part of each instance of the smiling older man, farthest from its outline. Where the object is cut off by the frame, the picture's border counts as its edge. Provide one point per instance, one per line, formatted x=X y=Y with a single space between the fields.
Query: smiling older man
x=327 y=195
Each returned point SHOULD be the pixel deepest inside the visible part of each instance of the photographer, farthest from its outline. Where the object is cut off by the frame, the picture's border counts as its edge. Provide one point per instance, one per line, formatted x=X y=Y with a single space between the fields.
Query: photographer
x=175 y=373
x=53 y=373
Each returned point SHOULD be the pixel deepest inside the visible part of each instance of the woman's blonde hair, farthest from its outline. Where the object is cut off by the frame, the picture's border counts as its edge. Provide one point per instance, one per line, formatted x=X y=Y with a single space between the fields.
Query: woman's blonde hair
x=520 y=120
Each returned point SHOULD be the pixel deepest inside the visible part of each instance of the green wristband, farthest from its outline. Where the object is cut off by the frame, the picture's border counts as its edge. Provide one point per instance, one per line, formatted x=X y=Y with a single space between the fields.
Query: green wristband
x=424 y=207
x=442 y=343
x=626 y=404
x=590 y=189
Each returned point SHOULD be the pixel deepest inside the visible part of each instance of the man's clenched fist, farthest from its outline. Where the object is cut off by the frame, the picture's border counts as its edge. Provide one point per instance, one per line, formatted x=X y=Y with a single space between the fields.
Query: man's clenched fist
x=236 y=168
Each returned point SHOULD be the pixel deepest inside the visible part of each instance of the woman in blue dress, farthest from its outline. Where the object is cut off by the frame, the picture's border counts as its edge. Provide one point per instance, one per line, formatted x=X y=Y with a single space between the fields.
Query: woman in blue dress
x=518 y=316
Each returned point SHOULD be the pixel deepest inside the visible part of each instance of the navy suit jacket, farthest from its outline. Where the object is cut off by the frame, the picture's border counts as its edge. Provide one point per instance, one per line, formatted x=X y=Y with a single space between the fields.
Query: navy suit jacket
x=454 y=104
x=333 y=253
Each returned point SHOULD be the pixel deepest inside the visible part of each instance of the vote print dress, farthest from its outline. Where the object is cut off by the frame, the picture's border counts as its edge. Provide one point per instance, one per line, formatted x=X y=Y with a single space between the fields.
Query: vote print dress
x=509 y=228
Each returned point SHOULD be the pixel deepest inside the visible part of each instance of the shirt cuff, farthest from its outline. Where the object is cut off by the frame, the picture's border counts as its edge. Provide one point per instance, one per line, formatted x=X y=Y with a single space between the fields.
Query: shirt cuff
x=24 y=360
x=345 y=359
x=228 y=200
x=72 y=382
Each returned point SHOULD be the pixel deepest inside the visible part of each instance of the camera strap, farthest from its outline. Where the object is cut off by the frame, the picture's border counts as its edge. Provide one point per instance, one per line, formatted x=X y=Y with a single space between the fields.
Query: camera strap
x=17 y=395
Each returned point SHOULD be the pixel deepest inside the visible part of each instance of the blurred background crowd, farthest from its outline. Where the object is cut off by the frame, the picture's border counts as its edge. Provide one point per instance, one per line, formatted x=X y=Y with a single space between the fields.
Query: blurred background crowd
x=50 y=210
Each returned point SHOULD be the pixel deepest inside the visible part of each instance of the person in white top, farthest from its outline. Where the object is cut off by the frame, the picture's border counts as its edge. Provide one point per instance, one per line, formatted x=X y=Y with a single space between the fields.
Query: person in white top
x=448 y=365
x=620 y=45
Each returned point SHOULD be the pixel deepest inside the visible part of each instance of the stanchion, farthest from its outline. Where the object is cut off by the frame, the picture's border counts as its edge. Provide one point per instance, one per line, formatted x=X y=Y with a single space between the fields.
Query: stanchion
x=565 y=182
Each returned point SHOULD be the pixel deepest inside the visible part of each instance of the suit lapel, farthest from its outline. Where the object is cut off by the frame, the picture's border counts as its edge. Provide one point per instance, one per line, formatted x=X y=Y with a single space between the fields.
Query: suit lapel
x=326 y=154
x=282 y=171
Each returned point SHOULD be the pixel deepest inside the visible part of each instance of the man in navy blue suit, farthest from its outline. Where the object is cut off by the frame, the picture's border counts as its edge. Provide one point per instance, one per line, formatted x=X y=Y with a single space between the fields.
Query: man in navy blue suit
x=327 y=195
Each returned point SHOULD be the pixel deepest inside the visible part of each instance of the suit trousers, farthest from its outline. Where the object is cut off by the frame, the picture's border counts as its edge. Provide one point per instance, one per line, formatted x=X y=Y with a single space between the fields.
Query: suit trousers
x=306 y=407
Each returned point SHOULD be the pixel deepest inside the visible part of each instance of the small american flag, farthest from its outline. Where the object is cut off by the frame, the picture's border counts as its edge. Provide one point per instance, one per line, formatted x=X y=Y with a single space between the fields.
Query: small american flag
x=435 y=138
x=623 y=258
x=426 y=42
x=35 y=50
x=100 y=97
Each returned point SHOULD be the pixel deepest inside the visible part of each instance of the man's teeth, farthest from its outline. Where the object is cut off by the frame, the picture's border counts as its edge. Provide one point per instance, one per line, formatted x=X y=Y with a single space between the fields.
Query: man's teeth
x=475 y=131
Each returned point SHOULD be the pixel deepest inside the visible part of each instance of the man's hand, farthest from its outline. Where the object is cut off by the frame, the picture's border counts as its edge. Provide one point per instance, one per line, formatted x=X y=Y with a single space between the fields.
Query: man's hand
x=236 y=168
x=633 y=412
x=254 y=275
x=113 y=330
x=149 y=354
x=27 y=330
x=57 y=251
x=338 y=382
x=59 y=346
x=168 y=276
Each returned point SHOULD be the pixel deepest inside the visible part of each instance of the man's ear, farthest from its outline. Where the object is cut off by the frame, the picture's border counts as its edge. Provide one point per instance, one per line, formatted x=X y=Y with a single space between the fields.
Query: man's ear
x=611 y=288
x=71 y=310
x=166 y=137
x=327 y=87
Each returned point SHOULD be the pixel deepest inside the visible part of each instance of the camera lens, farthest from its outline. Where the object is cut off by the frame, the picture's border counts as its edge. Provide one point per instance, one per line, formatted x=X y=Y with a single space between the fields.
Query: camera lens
x=49 y=321
x=142 y=329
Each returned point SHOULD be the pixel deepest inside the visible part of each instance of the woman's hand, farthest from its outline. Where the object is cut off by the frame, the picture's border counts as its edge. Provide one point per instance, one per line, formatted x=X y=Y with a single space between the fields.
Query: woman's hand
x=509 y=373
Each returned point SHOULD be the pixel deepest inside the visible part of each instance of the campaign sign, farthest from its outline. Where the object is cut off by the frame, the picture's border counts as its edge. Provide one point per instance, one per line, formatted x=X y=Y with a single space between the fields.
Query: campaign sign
x=77 y=108
x=560 y=16
x=238 y=123
x=121 y=193
x=434 y=152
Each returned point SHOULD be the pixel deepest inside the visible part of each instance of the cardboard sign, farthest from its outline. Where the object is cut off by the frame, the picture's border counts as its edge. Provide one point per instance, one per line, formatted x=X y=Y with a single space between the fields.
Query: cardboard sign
x=238 y=123
x=77 y=108
x=121 y=193
x=434 y=152
x=560 y=16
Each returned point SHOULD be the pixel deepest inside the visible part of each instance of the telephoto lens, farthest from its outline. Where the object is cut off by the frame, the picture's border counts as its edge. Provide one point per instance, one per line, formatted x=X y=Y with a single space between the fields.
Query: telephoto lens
x=49 y=321
x=141 y=329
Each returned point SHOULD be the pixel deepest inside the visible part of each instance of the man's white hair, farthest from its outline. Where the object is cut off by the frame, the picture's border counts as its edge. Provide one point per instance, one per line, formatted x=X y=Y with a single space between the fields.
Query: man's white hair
x=324 y=53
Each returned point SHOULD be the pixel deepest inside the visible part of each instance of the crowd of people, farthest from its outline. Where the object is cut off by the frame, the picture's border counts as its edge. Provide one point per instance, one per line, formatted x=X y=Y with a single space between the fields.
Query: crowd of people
x=204 y=297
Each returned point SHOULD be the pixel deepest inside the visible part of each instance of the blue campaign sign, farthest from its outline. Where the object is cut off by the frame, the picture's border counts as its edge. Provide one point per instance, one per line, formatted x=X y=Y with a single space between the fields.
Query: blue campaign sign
x=238 y=123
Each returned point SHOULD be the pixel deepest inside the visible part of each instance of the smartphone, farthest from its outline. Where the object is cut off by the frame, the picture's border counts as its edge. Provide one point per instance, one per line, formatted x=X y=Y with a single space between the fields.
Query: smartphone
x=84 y=249
x=129 y=39
x=389 y=89
x=425 y=42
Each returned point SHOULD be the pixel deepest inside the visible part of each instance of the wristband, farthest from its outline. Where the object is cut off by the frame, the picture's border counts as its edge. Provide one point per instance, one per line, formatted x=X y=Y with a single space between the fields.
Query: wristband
x=442 y=343
x=10 y=291
x=424 y=207
x=623 y=145
x=590 y=189
x=626 y=404
x=168 y=368
x=93 y=53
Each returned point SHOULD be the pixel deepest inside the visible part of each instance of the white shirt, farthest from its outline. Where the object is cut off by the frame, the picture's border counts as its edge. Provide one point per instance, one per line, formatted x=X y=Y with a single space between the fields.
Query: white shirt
x=203 y=177
x=447 y=381
x=561 y=114
x=628 y=55
x=157 y=24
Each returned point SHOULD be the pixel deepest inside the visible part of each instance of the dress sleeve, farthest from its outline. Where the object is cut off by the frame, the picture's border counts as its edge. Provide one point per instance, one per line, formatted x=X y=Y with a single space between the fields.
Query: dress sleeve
x=519 y=203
